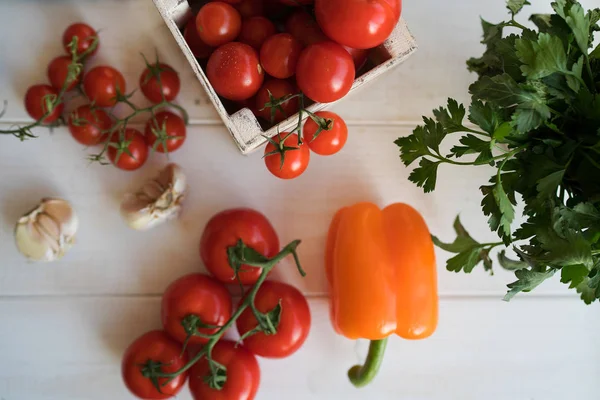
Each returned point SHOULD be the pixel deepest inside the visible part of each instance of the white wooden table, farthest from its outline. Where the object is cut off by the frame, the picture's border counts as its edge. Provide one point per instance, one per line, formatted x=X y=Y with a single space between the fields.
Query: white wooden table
x=64 y=326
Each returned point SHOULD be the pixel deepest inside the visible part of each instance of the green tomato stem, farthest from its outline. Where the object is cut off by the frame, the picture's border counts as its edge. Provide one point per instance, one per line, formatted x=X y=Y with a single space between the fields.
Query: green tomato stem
x=362 y=375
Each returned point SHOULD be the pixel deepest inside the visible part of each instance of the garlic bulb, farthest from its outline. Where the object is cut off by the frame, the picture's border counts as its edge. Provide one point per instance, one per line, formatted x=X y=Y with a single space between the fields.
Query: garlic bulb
x=157 y=201
x=47 y=232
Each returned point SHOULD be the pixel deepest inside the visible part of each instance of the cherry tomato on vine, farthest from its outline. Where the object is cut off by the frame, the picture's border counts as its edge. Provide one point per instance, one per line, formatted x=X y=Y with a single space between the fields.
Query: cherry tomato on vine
x=279 y=55
x=58 y=71
x=255 y=31
x=167 y=129
x=101 y=85
x=304 y=28
x=360 y=24
x=325 y=72
x=250 y=8
x=295 y=161
x=224 y=230
x=128 y=150
x=294 y=323
x=89 y=125
x=85 y=38
x=158 y=347
x=169 y=83
x=218 y=23
x=198 y=295
x=35 y=103
x=278 y=89
x=199 y=48
x=234 y=71
x=243 y=374
x=330 y=141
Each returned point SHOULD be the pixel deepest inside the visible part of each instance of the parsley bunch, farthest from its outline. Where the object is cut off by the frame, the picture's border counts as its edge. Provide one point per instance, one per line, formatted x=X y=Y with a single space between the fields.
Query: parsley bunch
x=536 y=107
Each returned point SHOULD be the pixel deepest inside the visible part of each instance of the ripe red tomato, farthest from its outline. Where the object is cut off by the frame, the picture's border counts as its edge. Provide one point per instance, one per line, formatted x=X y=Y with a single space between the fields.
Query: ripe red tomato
x=234 y=71
x=218 y=23
x=199 y=295
x=243 y=374
x=302 y=26
x=159 y=347
x=224 y=230
x=168 y=78
x=101 y=84
x=85 y=38
x=197 y=46
x=359 y=56
x=295 y=161
x=35 y=103
x=278 y=89
x=255 y=31
x=250 y=8
x=279 y=55
x=167 y=129
x=88 y=126
x=328 y=142
x=361 y=24
x=58 y=70
x=128 y=151
x=294 y=324
x=325 y=72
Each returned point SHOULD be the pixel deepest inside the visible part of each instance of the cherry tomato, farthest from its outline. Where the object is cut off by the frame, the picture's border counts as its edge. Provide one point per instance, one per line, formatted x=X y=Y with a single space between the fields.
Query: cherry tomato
x=197 y=46
x=224 y=230
x=359 y=56
x=330 y=141
x=128 y=151
x=243 y=374
x=294 y=323
x=279 y=55
x=250 y=8
x=295 y=161
x=199 y=295
x=85 y=38
x=159 y=347
x=255 y=31
x=167 y=129
x=169 y=79
x=325 y=72
x=302 y=26
x=101 y=84
x=87 y=125
x=35 y=103
x=296 y=3
x=218 y=23
x=360 y=24
x=58 y=70
x=278 y=89
x=234 y=71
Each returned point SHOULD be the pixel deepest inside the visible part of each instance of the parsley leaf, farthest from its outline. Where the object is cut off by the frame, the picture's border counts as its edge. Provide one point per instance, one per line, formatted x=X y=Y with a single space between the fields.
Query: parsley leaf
x=451 y=118
x=514 y=6
x=542 y=57
x=472 y=144
x=527 y=280
x=548 y=185
x=574 y=275
x=499 y=208
x=425 y=175
x=485 y=115
x=577 y=20
x=510 y=264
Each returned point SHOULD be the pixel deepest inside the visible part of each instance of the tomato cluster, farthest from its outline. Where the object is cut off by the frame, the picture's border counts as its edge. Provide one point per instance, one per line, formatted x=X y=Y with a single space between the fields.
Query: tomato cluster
x=197 y=309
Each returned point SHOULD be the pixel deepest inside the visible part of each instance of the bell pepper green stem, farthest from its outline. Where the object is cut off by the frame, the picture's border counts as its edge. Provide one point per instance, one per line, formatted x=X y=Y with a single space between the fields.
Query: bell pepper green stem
x=362 y=375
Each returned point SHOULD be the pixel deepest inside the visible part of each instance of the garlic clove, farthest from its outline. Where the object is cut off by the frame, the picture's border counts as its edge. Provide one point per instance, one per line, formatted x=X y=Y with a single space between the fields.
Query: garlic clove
x=47 y=232
x=157 y=201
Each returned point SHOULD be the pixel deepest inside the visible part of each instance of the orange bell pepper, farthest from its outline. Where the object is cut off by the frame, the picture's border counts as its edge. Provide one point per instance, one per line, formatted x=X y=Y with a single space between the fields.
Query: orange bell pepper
x=382 y=278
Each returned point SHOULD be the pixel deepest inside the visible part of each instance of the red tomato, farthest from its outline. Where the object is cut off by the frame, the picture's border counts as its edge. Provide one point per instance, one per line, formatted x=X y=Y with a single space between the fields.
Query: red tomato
x=243 y=374
x=255 y=31
x=199 y=295
x=167 y=129
x=58 y=70
x=278 y=89
x=294 y=324
x=128 y=151
x=85 y=38
x=361 y=24
x=35 y=103
x=88 y=126
x=279 y=55
x=169 y=79
x=295 y=161
x=302 y=26
x=325 y=72
x=296 y=3
x=224 y=230
x=330 y=141
x=359 y=56
x=159 y=347
x=101 y=84
x=250 y=8
x=235 y=72
x=218 y=23
x=197 y=46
